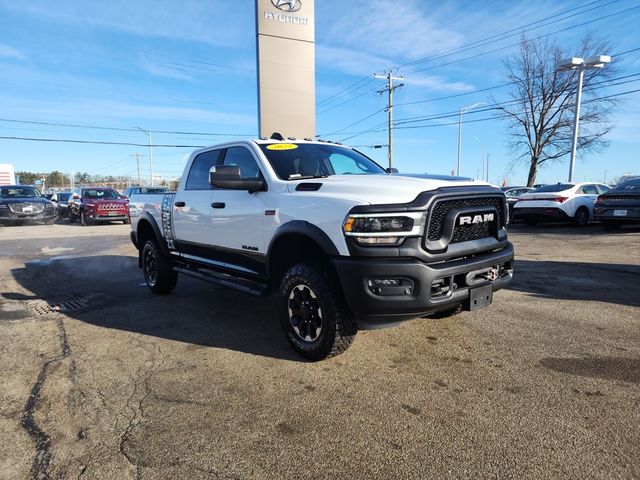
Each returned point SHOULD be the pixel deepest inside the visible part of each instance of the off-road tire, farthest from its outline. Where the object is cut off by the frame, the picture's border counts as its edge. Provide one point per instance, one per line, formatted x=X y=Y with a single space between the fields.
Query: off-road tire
x=158 y=274
x=72 y=217
x=338 y=327
x=581 y=218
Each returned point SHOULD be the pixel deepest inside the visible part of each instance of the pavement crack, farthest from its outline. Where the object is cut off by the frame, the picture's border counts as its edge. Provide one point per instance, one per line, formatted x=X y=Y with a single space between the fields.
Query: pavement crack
x=41 y=439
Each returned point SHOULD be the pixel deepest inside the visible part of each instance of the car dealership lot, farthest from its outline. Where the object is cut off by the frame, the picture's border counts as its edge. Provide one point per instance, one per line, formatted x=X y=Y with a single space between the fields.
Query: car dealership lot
x=202 y=383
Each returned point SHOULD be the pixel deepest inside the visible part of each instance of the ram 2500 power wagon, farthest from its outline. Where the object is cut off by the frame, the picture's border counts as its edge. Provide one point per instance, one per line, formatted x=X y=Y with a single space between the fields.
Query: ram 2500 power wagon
x=343 y=243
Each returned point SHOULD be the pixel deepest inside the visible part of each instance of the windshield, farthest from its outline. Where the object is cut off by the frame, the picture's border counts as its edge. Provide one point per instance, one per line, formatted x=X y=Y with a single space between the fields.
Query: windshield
x=630 y=186
x=100 y=194
x=292 y=161
x=19 y=192
x=63 y=197
x=560 y=187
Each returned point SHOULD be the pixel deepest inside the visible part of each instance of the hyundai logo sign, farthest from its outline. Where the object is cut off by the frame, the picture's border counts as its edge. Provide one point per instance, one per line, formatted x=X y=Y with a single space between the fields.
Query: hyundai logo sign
x=287 y=5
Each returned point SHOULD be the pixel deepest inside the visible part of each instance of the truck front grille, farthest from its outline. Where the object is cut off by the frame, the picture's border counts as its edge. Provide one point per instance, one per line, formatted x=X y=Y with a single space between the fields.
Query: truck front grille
x=441 y=210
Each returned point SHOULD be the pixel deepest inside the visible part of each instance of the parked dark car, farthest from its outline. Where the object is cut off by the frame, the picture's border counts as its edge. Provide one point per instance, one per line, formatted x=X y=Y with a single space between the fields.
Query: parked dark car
x=24 y=203
x=512 y=194
x=619 y=206
x=60 y=203
x=98 y=204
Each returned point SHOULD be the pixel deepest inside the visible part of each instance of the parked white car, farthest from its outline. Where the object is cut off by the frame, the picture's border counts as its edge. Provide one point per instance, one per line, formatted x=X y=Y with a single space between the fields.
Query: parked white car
x=571 y=202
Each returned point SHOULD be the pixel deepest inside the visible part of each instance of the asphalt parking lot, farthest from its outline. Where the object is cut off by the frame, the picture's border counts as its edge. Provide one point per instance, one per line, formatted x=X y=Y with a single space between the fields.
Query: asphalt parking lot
x=202 y=384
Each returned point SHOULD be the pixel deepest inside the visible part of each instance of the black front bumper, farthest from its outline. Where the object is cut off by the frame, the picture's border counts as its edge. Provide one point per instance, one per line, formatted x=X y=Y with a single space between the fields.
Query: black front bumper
x=417 y=297
x=8 y=216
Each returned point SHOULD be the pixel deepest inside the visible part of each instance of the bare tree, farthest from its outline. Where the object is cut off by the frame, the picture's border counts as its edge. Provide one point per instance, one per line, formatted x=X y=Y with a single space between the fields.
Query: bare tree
x=541 y=110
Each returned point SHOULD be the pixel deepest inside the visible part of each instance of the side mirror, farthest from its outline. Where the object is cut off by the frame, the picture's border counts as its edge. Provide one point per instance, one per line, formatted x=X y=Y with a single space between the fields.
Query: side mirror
x=391 y=170
x=124 y=197
x=229 y=176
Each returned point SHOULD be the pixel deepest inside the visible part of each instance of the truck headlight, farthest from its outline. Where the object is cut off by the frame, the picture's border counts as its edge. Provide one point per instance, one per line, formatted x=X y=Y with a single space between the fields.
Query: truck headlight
x=383 y=228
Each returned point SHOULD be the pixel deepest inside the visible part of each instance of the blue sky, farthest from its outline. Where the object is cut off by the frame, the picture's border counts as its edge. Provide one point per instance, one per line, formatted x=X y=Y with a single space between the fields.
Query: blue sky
x=189 y=66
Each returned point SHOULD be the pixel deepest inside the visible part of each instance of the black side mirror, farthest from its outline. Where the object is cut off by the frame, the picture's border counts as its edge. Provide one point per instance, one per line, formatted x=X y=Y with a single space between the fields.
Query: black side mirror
x=391 y=170
x=229 y=176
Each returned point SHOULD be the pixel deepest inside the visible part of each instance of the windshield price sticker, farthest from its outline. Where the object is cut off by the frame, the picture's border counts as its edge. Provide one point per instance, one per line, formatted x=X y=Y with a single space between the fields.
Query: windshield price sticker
x=282 y=146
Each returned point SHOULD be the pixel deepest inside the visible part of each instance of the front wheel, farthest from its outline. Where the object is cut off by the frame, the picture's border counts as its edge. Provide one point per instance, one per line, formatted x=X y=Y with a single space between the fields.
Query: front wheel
x=158 y=273
x=83 y=219
x=313 y=314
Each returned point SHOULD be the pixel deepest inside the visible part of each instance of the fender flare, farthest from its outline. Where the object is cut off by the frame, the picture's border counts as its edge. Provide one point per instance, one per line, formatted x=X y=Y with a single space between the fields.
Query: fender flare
x=147 y=217
x=301 y=227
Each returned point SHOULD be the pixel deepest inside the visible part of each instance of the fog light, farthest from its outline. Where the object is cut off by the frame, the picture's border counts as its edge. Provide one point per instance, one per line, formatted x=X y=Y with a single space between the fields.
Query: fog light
x=390 y=286
x=376 y=240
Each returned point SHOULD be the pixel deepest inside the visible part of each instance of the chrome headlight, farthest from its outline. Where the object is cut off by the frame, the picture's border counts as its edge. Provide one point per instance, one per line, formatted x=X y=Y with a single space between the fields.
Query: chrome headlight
x=383 y=228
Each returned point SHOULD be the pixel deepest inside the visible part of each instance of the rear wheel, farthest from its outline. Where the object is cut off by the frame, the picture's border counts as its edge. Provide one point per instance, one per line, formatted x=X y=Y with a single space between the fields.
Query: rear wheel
x=157 y=269
x=314 y=317
x=581 y=218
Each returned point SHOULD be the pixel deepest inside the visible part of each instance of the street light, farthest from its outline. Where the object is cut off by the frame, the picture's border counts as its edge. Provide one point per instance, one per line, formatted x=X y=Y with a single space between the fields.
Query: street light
x=484 y=155
x=463 y=110
x=579 y=64
x=148 y=133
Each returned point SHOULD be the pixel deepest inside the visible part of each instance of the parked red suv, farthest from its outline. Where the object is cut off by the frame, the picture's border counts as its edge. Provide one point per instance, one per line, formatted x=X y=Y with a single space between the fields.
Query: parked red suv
x=98 y=204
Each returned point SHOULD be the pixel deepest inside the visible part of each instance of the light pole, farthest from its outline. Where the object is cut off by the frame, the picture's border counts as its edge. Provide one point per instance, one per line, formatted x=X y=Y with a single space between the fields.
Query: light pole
x=579 y=64
x=463 y=110
x=148 y=134
x=485 y=173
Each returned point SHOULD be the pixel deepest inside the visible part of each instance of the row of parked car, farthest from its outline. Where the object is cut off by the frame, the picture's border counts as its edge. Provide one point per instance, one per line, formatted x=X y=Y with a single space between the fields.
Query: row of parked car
x=87 y=205
x=577 y=203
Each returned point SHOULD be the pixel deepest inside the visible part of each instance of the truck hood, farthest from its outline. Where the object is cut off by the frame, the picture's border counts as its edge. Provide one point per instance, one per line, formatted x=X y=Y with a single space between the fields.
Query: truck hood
x=378 y=189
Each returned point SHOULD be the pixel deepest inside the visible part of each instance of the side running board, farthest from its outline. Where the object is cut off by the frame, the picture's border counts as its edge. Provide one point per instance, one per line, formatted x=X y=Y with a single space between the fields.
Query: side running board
x=245 y=285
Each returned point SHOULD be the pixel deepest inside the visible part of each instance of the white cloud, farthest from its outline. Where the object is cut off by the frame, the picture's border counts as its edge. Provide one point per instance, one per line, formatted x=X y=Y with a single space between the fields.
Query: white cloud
x=215 y=23
x=9 y=52
x=402 y=30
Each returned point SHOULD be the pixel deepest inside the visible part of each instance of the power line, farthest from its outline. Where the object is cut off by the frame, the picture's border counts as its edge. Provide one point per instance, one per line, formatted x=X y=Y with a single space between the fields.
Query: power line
x=118 y=129
x=355 y=85
x=377 y=128
x=513 y=32
x=97 y=142
x=471 y=57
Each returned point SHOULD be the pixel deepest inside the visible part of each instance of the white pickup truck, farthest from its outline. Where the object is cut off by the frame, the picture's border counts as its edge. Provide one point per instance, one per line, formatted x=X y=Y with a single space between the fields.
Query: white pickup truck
x=341 y=241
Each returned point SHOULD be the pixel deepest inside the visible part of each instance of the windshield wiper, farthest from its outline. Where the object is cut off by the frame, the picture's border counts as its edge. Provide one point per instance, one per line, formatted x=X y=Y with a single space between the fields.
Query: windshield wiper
x=297 y=176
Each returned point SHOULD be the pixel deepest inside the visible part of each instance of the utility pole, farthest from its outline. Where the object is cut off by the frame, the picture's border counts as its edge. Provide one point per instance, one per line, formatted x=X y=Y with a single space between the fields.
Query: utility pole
x=488 y=155
x=605 y=177
x=389 y=89
x=138 y=155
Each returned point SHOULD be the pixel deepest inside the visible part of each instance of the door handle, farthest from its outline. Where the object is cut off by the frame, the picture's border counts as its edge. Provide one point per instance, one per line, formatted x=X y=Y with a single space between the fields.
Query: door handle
x=218 y=204
x=179 y=204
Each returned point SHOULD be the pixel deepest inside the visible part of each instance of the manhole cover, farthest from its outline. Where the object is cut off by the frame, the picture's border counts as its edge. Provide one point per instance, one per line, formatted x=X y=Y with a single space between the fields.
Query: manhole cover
x=66 y=305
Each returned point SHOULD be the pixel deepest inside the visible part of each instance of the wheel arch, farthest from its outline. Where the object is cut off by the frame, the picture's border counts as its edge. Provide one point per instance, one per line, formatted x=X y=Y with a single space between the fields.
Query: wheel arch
x=297 y=242
x=148 y=229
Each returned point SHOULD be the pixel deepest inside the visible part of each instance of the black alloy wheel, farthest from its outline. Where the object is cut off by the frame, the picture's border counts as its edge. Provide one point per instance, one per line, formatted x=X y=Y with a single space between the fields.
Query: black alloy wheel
x=305 y=313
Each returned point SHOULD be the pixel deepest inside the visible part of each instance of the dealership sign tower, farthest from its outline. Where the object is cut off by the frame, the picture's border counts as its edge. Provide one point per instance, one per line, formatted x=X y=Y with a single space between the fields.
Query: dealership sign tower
x=285 y=32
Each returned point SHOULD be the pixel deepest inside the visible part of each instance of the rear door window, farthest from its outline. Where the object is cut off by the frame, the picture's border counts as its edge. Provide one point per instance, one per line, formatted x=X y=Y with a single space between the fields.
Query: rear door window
x=589 y=190
x=198 y=178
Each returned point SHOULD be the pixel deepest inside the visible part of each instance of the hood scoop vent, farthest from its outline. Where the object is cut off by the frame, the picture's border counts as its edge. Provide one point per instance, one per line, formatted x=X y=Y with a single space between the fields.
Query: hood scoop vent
x=308 y=187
